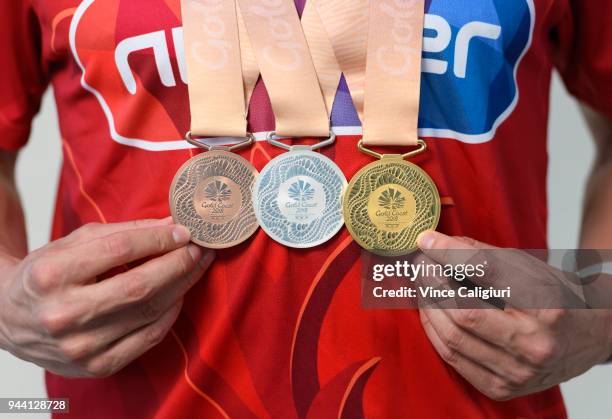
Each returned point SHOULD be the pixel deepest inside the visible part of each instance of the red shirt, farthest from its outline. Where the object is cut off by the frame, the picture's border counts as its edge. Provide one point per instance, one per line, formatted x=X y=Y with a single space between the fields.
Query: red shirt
x=278 y=332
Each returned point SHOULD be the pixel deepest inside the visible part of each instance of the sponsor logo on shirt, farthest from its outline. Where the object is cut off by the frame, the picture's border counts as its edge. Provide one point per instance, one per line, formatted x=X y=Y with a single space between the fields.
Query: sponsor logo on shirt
x=470 y=62
x=132 y=58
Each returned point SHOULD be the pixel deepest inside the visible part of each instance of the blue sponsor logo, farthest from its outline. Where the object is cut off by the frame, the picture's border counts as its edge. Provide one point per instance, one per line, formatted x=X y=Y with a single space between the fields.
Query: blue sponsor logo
x=471 y=54
x=470 y=59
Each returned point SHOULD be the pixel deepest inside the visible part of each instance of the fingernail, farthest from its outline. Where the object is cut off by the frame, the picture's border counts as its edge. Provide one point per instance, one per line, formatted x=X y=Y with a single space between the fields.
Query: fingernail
x=195 y=252
x=180 y=234
x=179 y=306
x=426 y=240
x=207 y=259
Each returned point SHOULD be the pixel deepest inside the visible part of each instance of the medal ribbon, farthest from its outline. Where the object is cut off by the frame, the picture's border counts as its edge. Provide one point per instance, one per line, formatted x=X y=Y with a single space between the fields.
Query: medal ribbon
x=382 y=69
x=322 y=52
x=345 y=23
x=286 y=66
x=221 y=67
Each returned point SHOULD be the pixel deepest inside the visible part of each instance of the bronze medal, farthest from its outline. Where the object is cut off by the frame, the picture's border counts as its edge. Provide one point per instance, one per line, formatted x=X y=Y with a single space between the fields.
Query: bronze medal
x=211 y=196
x=388 y=203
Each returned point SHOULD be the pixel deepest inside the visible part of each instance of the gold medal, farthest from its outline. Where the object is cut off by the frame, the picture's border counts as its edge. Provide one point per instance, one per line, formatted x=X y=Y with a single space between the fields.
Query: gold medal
x=211 y=196
x=388 y=203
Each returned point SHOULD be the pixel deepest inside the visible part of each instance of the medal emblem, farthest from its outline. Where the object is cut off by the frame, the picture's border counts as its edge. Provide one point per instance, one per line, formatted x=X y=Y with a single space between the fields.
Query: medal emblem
x=211 y=196
x=298 y=198
x=388 y=203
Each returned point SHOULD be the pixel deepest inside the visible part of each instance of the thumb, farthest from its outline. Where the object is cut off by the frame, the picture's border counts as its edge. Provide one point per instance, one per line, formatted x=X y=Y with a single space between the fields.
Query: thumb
x=474 y=243
x=207 y=259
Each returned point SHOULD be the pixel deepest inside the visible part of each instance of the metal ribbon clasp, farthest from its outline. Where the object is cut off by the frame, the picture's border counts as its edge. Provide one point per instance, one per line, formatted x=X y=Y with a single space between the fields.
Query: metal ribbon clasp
x=248 y=140
x=273 y=139
x=422 y=146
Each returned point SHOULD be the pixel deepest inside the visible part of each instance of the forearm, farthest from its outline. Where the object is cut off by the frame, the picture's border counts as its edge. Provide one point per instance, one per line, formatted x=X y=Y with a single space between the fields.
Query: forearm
x=597 y=223
x=13 y=238
x=597 y=218
x=597 y=233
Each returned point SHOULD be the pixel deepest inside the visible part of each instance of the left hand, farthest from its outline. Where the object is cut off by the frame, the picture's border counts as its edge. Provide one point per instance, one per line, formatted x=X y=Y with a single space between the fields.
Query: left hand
x=510 y=353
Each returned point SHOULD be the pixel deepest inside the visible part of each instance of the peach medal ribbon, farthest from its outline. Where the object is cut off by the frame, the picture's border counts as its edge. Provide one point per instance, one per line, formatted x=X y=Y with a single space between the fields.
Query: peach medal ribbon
x=390 y=201
x=211 y=193
x=298 y=195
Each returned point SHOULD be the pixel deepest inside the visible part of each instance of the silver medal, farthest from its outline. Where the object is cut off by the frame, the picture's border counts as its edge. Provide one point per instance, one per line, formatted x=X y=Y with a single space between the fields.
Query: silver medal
x=298 y=198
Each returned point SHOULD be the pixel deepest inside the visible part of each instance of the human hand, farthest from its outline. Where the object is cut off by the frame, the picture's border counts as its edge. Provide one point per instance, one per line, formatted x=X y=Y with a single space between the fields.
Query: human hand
x=513 y=352
x=55 y=313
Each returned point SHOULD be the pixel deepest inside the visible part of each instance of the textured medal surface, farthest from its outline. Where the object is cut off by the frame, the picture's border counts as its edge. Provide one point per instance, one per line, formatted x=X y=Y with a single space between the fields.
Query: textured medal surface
x=211 y=196
x=298 y=198
x=388 y=203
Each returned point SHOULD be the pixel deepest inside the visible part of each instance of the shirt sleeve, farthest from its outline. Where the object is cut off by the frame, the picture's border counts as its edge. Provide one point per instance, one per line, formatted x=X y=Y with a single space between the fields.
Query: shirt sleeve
x=583 y=52
x=22 y=77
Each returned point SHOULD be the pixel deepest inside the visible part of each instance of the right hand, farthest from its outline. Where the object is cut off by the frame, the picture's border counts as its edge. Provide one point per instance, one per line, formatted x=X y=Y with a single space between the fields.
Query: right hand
x=55 y=313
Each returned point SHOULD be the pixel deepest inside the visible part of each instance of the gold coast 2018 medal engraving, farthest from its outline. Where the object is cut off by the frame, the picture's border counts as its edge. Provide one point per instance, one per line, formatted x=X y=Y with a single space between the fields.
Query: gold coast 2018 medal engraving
x=298 y=198
x=388 y=203
x=211 y=196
